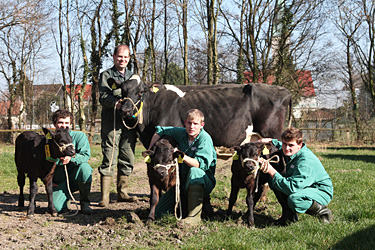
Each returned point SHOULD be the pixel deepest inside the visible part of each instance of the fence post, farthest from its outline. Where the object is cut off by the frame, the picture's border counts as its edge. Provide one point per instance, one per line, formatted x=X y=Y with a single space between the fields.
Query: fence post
x=348 y=136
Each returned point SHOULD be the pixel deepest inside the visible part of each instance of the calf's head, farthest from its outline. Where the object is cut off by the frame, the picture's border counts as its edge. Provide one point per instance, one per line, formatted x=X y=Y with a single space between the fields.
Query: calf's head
x=248 y=155
x=61 y=142
x=162 y=158
x=131 y=95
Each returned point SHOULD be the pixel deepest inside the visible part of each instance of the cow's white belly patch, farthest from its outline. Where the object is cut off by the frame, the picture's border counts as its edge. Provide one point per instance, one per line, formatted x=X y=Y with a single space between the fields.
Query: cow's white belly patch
x=173 y=88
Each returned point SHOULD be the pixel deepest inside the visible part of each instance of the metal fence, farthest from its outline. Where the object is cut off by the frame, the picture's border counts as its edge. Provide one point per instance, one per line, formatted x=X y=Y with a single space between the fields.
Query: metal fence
x=315 y=135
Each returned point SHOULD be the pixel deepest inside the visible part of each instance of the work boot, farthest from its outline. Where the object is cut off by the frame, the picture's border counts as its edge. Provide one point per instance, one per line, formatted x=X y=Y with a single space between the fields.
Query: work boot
x=323 y=212
x=105 y=185
x=122 y=185
x=288 y=216
x=195 y=205
x=84 y=192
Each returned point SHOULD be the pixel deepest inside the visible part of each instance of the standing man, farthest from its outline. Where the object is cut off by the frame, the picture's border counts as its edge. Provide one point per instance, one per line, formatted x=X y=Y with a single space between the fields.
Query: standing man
x=197 y=173
x=119 y=150
x=79 y=171
x=305 y=187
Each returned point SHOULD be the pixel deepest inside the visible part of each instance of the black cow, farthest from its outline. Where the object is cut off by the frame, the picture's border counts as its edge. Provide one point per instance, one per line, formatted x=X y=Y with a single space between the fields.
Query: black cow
x=36 y=156
x=232 y=111
x=161 y=170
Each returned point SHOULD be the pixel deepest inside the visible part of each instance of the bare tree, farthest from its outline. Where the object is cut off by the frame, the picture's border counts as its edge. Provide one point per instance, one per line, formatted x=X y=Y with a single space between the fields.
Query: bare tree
x=21 y=44
x=268 y=45
x=348 y=22
x=365 y=49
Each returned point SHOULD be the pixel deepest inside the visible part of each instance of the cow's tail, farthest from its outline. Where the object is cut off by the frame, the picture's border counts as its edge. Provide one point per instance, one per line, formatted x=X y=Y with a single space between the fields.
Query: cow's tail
x=290 y=112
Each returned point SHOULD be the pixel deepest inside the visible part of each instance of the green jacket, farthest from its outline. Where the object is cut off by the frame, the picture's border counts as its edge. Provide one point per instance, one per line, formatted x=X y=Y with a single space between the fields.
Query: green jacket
x=303 y=170
x=109 y=95
x=202 y=149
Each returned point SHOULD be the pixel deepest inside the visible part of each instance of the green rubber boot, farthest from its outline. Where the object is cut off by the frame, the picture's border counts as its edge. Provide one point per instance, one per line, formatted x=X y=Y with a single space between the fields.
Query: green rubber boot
x=122 y=192
x=323 y=212
x=105 y=185
x=195 y=205
x=84 y=192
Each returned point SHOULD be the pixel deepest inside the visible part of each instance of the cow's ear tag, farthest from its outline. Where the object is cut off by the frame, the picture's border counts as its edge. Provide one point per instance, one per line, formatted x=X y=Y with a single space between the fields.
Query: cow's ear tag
x=180 y=159
x=155 y=89
x=235 y=156
x=48 y=152
x=147 y=159
x=114 y=86
x=48 y=136
x=265 y=151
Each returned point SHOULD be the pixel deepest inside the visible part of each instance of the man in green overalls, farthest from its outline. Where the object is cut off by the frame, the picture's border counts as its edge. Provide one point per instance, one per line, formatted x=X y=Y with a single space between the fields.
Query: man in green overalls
x=118 y=151
x=197 y=173
x=79 y=171
x=305 y=187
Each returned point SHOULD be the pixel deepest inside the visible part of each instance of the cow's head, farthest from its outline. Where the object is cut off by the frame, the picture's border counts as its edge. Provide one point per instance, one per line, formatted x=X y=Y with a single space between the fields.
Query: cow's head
x=61 y=143
x=248 y=155
x=162 y=158
x=132 y=91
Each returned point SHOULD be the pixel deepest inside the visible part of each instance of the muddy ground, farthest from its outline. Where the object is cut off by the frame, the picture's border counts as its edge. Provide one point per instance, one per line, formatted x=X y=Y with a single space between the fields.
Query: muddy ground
x=100 y=230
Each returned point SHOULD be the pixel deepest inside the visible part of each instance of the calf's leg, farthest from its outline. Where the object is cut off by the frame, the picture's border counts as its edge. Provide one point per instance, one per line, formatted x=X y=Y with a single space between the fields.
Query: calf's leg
x=250 y=205
x=49 y=191
x=154 y=200
x=232 y=198
x=33 y=192
x=21 y=184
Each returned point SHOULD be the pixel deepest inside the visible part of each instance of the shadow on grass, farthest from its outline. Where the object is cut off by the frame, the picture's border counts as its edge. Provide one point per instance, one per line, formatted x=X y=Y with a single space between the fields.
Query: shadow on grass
x=358 y=157
x=363 y=239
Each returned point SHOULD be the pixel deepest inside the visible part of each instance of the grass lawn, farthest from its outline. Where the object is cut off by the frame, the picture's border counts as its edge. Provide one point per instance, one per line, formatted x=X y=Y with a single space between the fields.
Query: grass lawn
x=352 y=171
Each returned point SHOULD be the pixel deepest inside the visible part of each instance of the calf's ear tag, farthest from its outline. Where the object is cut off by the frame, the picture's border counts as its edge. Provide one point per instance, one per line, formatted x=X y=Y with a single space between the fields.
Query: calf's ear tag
x=235 y=156
x=48 y=136
x=155 y=89
x=114 y=86
x=46 y=149
x=265 y=151
x=147 y=159
x=180 y=159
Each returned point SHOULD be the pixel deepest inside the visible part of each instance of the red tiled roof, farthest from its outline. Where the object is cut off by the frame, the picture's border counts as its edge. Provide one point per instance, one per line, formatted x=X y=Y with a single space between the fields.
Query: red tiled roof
x=4 y=106
x=86 y=95
x=304 y=78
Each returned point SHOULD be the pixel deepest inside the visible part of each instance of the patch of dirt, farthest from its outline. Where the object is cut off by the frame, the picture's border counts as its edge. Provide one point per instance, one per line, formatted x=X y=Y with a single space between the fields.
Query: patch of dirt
x=99 y=230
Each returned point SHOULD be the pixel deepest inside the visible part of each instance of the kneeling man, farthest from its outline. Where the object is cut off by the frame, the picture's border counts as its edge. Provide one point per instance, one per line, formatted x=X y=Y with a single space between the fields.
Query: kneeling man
x=305 y=187
x=197 y=173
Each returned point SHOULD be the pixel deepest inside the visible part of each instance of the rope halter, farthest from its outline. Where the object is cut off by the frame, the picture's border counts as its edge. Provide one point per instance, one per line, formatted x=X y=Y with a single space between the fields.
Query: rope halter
x=167 y=167
x=134 y=108
x=63 y=147
x=252 y=160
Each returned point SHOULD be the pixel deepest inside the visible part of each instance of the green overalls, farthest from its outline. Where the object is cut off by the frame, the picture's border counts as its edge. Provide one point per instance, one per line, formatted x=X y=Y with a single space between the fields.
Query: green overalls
x=305 y=180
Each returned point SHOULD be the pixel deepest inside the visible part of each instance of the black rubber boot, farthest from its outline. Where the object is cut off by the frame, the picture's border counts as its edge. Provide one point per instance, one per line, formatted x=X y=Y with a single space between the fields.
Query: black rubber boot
x=288 y=215
x=323 y=212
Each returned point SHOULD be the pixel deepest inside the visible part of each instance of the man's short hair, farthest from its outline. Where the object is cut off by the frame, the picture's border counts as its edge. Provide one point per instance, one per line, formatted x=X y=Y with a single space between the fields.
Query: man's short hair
x=291 y=134
x=61 y=113
x=121 y=46
x=195 y=113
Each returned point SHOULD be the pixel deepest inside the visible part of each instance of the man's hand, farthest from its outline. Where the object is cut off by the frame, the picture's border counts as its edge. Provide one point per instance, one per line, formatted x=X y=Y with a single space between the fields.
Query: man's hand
x=118 y=105
x=264 y=165
x=65 y=160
